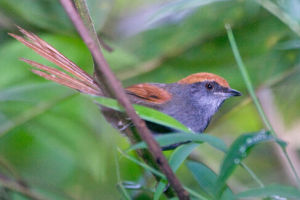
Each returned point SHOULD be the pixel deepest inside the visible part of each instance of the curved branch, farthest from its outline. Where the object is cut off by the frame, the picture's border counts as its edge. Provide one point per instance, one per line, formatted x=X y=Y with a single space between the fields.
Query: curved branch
x=115 y=86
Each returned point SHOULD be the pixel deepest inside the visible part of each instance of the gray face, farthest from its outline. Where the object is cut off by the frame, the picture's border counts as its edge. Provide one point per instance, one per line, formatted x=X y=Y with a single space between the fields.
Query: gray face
x=209 y=95
x=198 y=102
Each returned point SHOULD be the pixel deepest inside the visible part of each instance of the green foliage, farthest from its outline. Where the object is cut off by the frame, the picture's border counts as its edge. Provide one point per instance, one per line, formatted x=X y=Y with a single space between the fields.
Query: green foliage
x=238 y=151
x=58 y=142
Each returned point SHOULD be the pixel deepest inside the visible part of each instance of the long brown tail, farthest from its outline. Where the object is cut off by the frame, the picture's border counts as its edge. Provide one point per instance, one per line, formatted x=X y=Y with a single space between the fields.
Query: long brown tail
x=68 y=74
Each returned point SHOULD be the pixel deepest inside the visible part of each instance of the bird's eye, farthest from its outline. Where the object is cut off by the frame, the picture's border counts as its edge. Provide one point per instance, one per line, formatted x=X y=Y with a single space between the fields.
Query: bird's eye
x=209 y=86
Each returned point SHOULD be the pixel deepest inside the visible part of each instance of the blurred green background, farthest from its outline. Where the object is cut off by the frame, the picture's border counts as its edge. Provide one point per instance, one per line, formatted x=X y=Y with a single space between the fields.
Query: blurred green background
x=56 y=140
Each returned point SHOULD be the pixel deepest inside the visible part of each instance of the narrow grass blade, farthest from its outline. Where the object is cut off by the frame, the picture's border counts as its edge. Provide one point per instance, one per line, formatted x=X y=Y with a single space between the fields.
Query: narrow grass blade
x=246 y=77
x=120 y=185
x=159 y=189
x=166 y=140
x=274 y=190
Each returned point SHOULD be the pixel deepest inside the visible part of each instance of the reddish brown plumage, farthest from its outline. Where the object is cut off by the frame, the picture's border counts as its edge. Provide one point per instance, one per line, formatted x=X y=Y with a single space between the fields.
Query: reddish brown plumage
x=75 y=77
x=204 y=76
x=149 y=93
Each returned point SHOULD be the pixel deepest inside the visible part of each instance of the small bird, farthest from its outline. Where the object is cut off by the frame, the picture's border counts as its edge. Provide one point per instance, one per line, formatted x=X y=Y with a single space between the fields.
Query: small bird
x=192 y=100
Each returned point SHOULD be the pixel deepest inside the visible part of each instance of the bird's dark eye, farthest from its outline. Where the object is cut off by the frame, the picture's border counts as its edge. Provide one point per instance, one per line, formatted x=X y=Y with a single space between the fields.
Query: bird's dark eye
x=209 y=86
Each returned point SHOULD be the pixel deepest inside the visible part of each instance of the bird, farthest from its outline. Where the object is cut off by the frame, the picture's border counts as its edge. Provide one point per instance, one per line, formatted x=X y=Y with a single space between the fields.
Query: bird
x=193 y=100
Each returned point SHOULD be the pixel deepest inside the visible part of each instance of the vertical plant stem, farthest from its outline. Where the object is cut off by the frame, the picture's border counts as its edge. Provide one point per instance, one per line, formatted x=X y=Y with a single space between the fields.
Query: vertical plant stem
x=83 y=10
x=292 y=166
x=250 y=88
x=247 y=79
x=84 y=13
x=252 y=174
x=118 y=91
x=120 y=185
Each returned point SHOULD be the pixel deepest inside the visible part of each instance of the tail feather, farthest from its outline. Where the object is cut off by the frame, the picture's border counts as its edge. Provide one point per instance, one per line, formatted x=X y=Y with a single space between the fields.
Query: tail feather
x=60 y=77
x=80 y=80
x=50 y=53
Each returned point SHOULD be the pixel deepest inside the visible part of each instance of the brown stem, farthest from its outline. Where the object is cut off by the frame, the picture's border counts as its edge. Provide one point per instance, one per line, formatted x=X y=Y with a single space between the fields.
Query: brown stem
x=132 y=134
x=117 y=89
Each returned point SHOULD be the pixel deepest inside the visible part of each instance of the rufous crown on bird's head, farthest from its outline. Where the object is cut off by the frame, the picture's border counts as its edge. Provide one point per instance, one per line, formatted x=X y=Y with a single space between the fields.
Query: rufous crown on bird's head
x=204 y=76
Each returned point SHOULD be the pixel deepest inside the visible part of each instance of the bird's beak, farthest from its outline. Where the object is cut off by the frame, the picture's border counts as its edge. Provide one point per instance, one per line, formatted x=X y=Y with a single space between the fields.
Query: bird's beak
x=233 y=92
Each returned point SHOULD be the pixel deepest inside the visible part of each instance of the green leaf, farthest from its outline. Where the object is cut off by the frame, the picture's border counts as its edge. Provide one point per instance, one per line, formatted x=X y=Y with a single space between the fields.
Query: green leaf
x=207 y=179
x=204 y=176
x=154 y=171
x=174 y=138
x=239 y=151
x=271 y=191
x=145 y=113
x=180 y=154
x=159 y=189
x=176 y=159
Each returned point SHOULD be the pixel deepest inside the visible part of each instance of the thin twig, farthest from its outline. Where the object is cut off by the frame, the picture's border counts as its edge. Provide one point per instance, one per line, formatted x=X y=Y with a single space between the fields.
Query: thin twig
x=289 y=155
x=252 y=174
x=20 y=188
x=131 y=133
x=120 y=95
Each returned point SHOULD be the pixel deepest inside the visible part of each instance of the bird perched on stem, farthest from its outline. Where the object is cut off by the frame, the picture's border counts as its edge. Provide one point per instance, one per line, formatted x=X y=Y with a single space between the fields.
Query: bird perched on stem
x=192 y=100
